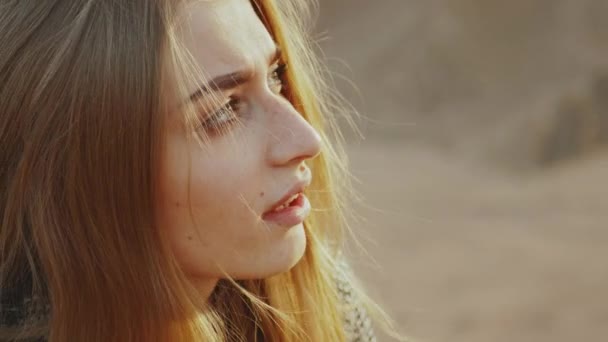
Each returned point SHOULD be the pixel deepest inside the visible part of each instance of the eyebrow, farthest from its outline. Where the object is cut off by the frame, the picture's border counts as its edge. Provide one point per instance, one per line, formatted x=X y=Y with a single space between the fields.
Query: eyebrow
x=231 y=80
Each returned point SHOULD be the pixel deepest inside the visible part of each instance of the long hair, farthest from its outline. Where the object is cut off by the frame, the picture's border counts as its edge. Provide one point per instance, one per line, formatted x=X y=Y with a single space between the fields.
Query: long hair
x=81 y=130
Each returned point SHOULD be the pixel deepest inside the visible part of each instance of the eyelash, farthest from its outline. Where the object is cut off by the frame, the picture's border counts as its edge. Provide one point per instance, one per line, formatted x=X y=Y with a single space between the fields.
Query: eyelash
x=278 y=75
x=230 y=108
x=213 y=122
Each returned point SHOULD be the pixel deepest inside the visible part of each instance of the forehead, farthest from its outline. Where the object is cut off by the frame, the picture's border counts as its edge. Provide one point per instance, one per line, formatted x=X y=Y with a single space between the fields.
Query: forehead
x=224 y=36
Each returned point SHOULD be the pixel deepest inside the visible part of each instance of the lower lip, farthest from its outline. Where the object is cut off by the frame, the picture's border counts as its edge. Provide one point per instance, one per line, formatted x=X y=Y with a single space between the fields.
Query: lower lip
x=292 y=215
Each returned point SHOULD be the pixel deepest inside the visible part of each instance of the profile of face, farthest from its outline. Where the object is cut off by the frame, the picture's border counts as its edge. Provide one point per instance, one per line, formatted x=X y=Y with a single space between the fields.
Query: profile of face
x=217 y=202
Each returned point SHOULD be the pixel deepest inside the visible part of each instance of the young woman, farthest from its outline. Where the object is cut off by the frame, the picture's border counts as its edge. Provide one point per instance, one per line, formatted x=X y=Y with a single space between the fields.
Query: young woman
x=159 y=163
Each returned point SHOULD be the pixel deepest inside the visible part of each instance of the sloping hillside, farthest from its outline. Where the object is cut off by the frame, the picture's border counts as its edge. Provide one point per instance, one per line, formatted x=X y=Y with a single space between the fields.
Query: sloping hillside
x=466 y=75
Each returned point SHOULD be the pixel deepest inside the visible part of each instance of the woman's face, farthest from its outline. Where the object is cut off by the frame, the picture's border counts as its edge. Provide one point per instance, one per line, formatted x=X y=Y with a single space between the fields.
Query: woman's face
x=245 y=169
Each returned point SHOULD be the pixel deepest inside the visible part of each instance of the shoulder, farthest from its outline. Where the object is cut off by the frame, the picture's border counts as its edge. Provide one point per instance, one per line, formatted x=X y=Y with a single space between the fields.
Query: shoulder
x=357 y=323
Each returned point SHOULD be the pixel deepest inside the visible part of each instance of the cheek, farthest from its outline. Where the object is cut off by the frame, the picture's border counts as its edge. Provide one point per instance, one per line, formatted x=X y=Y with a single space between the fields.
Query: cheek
x=210 y=206
x=215 y=190
x=222 y=189
x=214 y=217
x=221 y=198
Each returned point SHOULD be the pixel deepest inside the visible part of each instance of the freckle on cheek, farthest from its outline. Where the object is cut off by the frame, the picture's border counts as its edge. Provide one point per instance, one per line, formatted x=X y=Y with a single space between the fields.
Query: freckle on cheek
x=262 y=194
x=190 y=237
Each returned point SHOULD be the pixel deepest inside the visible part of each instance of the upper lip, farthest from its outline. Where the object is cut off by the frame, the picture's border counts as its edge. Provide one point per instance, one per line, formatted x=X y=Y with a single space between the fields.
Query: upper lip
x=295 y=189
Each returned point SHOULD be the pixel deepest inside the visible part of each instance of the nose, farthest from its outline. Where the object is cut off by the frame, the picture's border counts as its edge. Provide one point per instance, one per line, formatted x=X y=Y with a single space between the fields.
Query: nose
x=291 y=138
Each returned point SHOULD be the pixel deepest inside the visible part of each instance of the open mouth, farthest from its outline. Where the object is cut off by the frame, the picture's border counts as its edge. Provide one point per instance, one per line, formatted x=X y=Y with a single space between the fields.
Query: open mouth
x=291 y=209
x=292 y=212
x=291 y=201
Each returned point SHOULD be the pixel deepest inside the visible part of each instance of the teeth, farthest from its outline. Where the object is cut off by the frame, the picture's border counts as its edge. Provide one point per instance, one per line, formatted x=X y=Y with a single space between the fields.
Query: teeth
x=286 y=204
x=279 y=208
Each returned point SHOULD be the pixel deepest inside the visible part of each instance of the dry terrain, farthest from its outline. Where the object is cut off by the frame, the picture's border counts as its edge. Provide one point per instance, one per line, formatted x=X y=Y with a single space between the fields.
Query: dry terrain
x=465 y=254
x=484 y=169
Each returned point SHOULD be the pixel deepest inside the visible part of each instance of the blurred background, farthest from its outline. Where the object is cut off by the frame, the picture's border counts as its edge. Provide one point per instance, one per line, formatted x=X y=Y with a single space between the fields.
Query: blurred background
x=484 y=165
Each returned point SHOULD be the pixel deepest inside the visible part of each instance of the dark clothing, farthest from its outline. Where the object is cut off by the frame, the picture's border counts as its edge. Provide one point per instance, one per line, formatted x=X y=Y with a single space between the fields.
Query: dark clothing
x=18 y=310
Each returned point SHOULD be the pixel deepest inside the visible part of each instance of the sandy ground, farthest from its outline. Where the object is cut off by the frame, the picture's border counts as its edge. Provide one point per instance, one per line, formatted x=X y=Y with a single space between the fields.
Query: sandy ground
x=465 y=253
x=473 y=239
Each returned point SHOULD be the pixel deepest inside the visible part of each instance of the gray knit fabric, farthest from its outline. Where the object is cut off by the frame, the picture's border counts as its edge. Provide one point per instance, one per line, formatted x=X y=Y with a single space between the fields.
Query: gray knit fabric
x=357 y=324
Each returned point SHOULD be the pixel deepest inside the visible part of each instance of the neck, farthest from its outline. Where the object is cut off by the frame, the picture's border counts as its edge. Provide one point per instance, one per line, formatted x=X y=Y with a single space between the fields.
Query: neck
x=205 y=286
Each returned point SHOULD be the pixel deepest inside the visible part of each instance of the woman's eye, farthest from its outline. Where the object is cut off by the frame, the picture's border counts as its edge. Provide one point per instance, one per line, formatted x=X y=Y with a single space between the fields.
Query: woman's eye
x=277 y=77
x=222 y=118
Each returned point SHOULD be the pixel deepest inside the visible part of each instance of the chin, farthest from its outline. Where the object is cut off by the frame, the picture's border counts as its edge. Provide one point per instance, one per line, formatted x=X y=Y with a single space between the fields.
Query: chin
x=296 y=240
x=280 y=256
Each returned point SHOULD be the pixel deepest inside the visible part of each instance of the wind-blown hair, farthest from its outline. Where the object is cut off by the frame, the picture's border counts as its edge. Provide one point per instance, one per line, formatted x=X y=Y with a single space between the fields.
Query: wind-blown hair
x=82 y=128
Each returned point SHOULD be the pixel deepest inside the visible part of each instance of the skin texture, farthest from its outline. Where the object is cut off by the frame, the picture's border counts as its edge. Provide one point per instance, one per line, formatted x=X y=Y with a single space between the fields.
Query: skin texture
x=239 y=174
